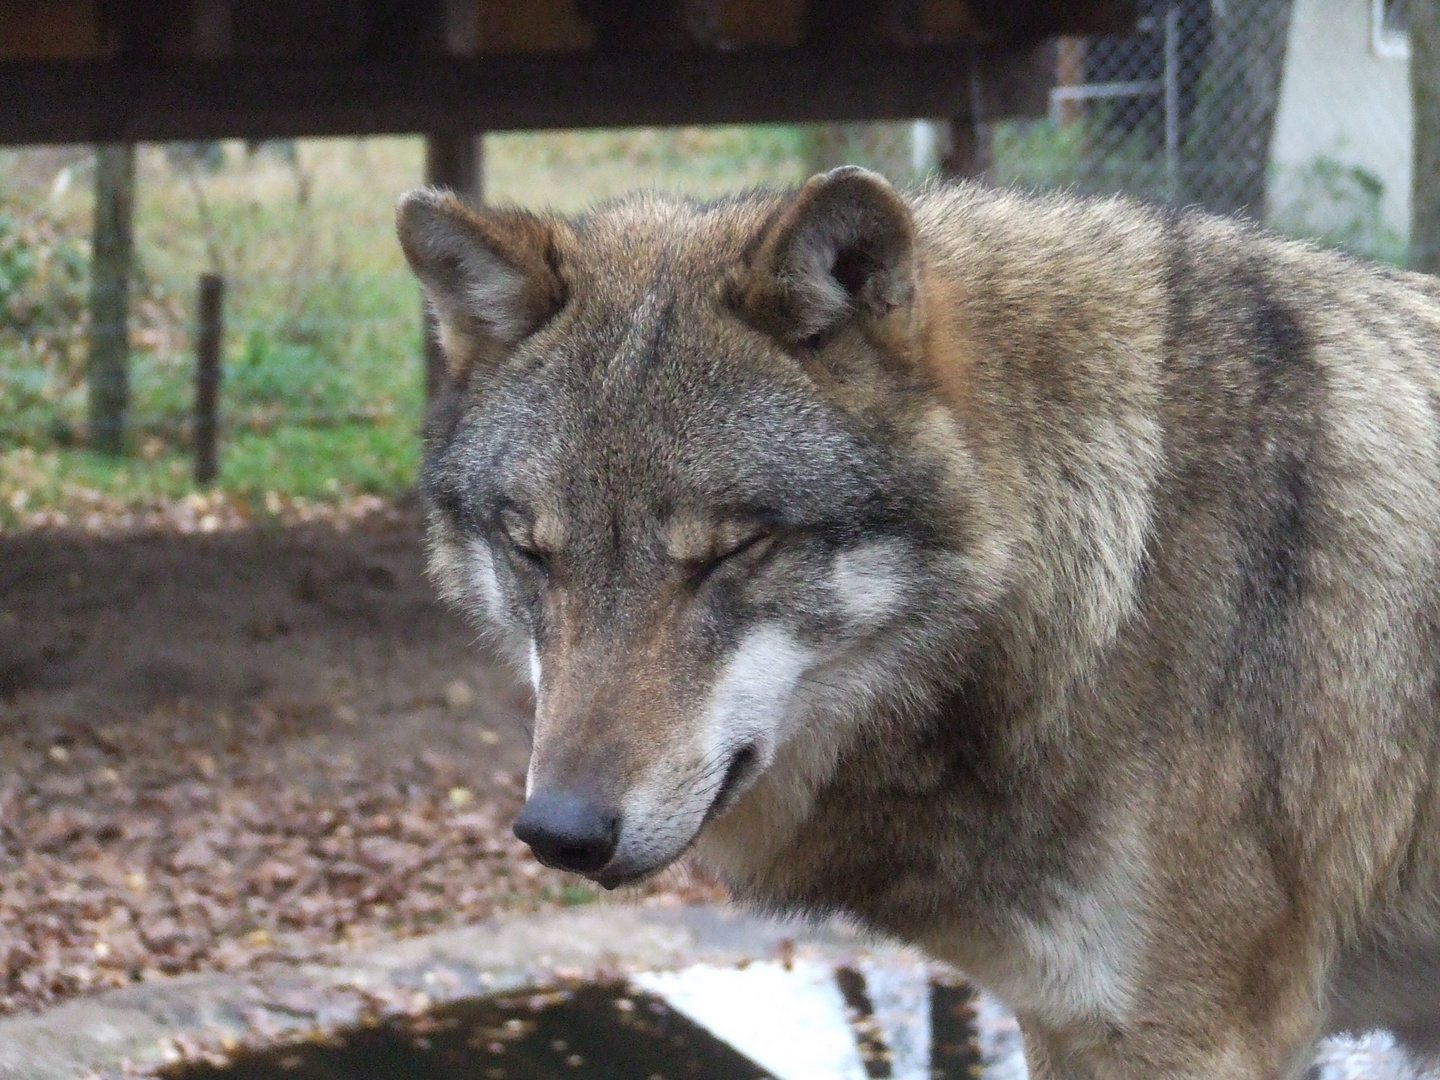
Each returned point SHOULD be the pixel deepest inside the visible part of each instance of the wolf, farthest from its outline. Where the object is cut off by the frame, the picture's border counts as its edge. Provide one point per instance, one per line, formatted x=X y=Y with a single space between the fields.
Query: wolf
x=1051 y=584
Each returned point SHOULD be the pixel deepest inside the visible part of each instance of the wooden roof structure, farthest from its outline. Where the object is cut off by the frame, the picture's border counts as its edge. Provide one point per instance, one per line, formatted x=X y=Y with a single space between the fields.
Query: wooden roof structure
x=133 y=70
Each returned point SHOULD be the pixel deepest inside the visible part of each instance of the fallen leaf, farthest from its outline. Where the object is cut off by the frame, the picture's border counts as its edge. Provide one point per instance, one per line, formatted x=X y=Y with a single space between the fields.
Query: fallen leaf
x=459 y=695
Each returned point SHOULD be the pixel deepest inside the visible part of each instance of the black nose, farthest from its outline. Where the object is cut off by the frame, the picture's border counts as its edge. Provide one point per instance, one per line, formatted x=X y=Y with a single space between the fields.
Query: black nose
x=568 y=832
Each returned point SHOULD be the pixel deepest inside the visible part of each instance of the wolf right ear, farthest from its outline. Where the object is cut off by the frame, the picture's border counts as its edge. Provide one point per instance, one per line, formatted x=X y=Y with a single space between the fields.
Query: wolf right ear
x=491 y=276
x=844 y=248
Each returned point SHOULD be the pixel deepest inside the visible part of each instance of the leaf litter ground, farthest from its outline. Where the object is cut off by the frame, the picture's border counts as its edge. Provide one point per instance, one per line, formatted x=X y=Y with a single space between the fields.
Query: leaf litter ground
x=265 y=743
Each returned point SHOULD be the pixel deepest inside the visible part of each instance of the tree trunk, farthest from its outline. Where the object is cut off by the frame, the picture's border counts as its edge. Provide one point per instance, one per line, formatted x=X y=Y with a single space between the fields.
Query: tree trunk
x=1425 y=98
x=1227 y=150
x=111 y=263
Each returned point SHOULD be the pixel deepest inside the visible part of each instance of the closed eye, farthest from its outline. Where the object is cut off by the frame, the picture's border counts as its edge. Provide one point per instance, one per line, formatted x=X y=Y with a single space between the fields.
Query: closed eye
x=516 y=532
x=533 y=558
x=753 y=544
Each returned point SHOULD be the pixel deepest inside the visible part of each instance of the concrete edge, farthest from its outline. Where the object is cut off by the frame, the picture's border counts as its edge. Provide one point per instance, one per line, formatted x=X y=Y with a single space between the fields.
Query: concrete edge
x=155 y=1024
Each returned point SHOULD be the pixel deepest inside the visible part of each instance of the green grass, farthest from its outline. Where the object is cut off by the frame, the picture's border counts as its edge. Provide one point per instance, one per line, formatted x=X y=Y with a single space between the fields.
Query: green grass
x=321 y=396
x=319 y=463
x=574 y=895
x=322 y=391
x=292 y=462
x=569 y=170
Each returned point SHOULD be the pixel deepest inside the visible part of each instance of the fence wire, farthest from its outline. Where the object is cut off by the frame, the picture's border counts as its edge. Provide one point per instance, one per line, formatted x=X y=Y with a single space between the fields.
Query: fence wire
x=304 y=369
x=1186 y=111
x=1180 y=112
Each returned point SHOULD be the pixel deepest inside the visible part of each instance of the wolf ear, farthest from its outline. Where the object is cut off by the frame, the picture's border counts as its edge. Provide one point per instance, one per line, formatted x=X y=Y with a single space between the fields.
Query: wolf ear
x=843 y=249
x=491 y=276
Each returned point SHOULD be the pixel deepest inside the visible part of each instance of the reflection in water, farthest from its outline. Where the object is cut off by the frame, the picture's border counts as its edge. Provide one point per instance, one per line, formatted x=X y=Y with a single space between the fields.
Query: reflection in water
x=589 y=1033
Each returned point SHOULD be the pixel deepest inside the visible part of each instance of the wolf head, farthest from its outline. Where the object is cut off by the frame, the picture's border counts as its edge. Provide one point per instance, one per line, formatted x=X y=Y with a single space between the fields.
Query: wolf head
x=694 y=475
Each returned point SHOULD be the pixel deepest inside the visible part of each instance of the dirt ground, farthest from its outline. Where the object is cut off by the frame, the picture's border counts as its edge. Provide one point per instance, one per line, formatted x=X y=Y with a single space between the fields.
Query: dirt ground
x=259 y=744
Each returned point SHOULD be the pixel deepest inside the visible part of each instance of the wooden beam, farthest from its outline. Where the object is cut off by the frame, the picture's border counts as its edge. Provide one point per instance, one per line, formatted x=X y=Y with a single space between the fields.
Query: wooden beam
x=141 y=32
x=300 y=28
x=1009 y=20
x=51 y=30
x=639 y=24
x=131 y=100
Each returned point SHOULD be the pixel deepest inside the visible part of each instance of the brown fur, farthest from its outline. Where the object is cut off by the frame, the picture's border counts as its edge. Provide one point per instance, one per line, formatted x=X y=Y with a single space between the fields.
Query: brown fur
x=1148 y=741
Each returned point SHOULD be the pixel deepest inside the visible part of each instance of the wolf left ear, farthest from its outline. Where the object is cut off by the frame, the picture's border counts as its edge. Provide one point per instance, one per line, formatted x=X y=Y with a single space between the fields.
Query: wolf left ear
x=843 y=249
x=491 y=276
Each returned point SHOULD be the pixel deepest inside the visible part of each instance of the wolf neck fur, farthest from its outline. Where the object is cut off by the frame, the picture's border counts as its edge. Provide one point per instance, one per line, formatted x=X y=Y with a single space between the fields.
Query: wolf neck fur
x=1003 y=708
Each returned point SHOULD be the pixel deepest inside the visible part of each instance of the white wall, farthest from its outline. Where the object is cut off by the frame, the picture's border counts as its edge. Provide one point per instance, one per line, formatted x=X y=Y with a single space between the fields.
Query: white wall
x=1338 y=98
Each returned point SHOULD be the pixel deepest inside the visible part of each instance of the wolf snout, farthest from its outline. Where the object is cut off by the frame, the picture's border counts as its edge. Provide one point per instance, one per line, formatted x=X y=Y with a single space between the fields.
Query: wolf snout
x=569 y=831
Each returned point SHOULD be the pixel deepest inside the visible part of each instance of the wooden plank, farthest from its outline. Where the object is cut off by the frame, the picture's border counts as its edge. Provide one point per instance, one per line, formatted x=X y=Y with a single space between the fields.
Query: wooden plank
x=302 y=28
x=747 y=23
x=152 y=31
x=120 y=100
x=534 y=26
x=1035 y=18
x=50 y=29
x=954 y=1032
x=1007 y=20
x=639 y=24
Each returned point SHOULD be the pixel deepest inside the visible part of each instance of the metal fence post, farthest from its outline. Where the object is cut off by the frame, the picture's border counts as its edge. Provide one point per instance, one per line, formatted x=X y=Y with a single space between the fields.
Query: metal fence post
x=208 y=338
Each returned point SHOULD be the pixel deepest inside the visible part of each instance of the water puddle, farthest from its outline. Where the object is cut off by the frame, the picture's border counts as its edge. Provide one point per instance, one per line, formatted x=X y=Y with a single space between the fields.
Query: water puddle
x=762 y=1021
x=588 y=1033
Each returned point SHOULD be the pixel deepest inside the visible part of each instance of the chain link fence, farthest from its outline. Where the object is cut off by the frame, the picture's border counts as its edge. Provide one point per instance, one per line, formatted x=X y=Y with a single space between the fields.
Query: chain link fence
x=1293 y=113
x=1181 y=111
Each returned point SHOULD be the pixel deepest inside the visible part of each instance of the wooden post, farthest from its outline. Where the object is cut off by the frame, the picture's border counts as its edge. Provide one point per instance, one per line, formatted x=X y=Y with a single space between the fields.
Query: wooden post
x=111 y=261
x=1425 y=159
x=968 y=155
x=209 y=335
x=455 y=162
x=452 y=161
x=1070 y=71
